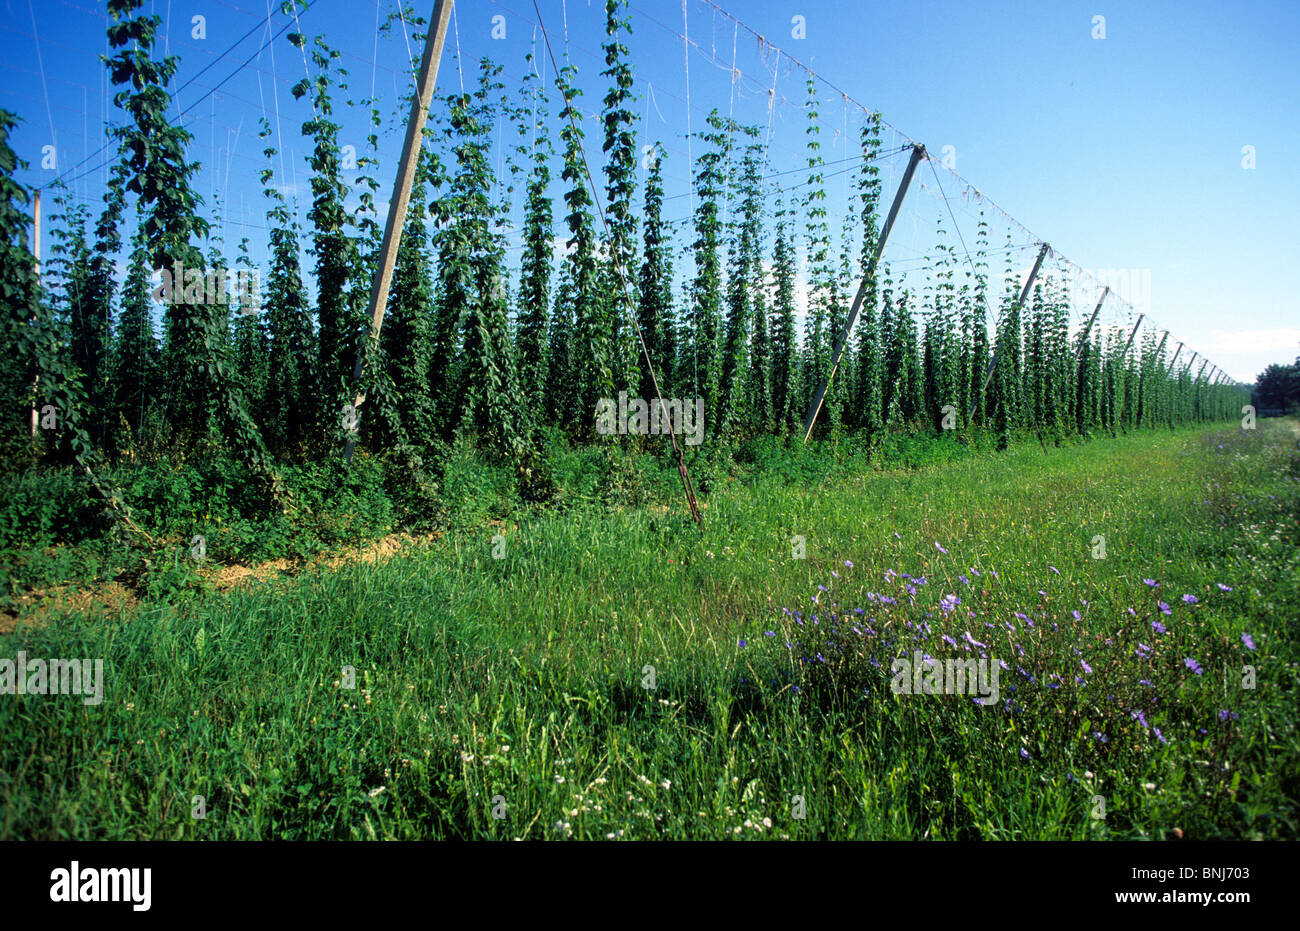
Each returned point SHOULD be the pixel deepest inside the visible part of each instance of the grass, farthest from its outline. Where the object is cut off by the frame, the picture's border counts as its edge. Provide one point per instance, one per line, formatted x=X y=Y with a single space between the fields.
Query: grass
x=511 y=697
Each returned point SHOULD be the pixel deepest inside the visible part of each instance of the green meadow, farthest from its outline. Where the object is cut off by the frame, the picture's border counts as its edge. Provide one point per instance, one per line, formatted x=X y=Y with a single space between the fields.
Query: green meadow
x=599 y=670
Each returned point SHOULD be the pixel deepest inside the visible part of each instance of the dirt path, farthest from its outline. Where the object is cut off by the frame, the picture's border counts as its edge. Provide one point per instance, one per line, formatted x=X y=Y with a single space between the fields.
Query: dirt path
x=113 y=598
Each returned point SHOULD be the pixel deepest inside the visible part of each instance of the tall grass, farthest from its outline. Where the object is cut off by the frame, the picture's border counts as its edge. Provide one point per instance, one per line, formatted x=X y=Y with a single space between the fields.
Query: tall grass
x=509 y=697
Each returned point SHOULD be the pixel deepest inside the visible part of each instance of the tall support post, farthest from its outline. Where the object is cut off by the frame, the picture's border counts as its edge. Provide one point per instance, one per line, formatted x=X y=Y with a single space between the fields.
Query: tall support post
x=1192 y=361
x=1204 y=363
x=918 y=153
x=1020 y=302
x=1176 y=353
x=401 y=197
x=1163 y=339
x=36 y=254
x=1129 y=344
x=1083 y=337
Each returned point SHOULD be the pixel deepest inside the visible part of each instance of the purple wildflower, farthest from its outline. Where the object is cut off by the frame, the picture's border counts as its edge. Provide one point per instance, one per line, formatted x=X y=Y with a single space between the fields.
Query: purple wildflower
x=1250 y=644
x=1151 y=582
x=1164 y=608
x=1159 y=628
x=940 y=548
x=1223 y=588
x=1193 y=665
x=1086 y=667
x=1190 y=599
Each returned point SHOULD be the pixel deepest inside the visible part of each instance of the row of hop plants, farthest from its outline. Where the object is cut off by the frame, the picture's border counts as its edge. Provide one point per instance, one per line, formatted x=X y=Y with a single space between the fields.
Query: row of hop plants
x=462 y=356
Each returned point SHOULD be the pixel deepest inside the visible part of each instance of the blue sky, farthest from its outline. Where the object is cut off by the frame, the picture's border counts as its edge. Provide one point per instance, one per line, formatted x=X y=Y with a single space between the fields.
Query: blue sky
x=1124 y=152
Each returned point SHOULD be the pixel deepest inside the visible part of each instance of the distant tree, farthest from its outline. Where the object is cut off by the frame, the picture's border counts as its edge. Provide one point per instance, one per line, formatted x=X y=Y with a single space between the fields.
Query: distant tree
x=1278 y=387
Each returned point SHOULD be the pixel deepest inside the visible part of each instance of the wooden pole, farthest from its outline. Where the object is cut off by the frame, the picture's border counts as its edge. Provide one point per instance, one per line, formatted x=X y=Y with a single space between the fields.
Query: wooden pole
x=918 y=153
x=1162 y=344
x=36 y=253
x=1176 y=353
x=1083 y=339
x=401 y=196
x=1129 y=344
x=1020 y=301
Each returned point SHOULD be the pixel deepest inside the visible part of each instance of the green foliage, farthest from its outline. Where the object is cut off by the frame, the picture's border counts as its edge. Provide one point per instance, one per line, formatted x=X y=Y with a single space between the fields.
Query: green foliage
x=406 y=340
x=655 y=314
x=457 y=655
x=533 y=299
x=618 y=269
x=703 y=374
x=591 y=352
x=294 y=405
x=339 y=327
x=785 y=377
x=745 y=249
